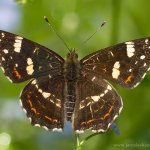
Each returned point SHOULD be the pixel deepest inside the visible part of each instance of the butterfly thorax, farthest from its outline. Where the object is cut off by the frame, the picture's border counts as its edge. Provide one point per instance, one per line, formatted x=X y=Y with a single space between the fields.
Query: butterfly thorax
x=72 y=66
x=71 y=75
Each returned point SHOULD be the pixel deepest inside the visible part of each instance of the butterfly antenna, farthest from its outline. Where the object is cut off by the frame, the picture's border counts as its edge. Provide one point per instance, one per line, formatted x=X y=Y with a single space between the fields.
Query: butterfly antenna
x=103 y=23
x=46 y=19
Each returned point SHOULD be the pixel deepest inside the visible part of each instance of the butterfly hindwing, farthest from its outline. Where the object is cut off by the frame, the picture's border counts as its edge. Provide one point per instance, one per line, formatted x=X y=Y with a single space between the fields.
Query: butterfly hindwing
x=22 y=59
x=125 y=63
x=43 y=101
x=97 y=105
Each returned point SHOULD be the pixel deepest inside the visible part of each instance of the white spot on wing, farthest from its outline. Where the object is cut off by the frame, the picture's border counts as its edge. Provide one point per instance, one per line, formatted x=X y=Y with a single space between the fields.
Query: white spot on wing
x=102 y=95
x=144 y=65
x=142 y=57
x=3 y=59
x=36 y=125
x=93 y=78
x=49 y=76
x=17 y=44
x=109 y=87
x=17 y=49
x=117 y=65
x=81 y=106
x=79 y=131
x=51 y=101
x=29 y=61
x=101 y=130
x=130 y=49
x=130 y=70
x=95 y=98
x=3 y=35
x=57 y=129
x=94 y=131
x=45 y=128
x=34 y=82
x=46 y=95
x=36 y=86
x=40 y=90
x=146 y=41
x=29 y=68
x=115 y=71
x=5 y=51
x=19 y=37
x=94 y=67
x=105 y=91
x=111 y=53
x=58 y=103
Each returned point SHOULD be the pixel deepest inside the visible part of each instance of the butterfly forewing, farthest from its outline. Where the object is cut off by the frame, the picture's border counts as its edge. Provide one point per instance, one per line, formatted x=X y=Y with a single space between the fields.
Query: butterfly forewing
x=97 y=105
x=43 y=102
x=125 y=63
x=22 y=59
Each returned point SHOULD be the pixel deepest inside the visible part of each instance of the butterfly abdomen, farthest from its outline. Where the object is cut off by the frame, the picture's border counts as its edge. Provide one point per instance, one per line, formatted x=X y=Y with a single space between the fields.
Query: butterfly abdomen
x=70 y=98
x=71 y=75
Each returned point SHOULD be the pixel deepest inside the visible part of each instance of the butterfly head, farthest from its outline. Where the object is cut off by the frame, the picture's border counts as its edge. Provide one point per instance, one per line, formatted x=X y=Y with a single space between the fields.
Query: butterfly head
x=72 y=55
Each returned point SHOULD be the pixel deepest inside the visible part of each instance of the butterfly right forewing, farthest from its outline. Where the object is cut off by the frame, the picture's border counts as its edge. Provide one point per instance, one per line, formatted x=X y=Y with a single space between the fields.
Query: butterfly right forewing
x=125 y=63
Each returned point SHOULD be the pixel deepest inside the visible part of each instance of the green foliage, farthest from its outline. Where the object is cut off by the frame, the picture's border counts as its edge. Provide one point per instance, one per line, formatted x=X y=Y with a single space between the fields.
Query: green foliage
x=76 y=20
x=22 y=1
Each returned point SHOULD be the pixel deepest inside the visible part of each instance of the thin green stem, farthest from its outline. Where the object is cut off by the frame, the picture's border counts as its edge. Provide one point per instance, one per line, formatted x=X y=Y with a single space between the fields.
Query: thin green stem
x=80 y=143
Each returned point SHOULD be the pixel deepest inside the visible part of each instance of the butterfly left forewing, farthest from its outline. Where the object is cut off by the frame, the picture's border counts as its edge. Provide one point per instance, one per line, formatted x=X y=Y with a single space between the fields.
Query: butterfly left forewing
x=22 y=59
x=125 y=63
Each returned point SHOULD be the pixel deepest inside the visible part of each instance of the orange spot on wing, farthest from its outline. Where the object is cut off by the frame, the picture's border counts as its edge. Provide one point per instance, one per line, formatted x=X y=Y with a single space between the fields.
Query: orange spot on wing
x=16 y=73
x=129 y=78
x=34 y=110
x=31 y=105
x=50 y=119
x=107 y=114
x=88 y=121
x=101 y=118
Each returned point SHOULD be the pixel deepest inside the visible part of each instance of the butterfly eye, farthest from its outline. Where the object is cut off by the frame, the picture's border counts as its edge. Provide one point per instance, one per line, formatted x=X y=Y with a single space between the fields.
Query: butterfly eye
x=68 y=55
x=76 y=55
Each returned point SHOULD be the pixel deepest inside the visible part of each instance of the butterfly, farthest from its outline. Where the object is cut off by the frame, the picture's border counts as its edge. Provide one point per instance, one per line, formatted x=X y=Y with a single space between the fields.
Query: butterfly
x=70 y=89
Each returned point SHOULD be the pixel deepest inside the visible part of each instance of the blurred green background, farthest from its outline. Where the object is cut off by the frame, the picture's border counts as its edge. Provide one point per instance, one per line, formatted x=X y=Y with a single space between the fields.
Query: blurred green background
x=76 y=20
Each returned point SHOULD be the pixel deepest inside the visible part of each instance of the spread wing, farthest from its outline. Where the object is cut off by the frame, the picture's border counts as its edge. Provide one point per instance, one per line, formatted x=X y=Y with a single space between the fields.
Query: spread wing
x=22 y=59
x=125 y=63
x=43 y=101
x=97 y=105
